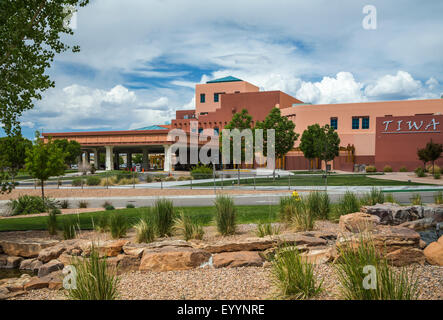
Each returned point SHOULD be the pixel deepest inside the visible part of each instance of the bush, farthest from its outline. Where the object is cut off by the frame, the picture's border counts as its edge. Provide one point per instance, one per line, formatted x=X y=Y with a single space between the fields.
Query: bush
x=30 y=205
x=403 y=169
x=163 y=212
x=352 y=275
x=83 y=204
x=130 y=206
x=94 y=280
x=171 y=178
x=294 y=275
x=371 y=169
x=438 y=198
x=373 y=197
x=437 y=175
x=266 y=229
x=387 y=168
x=420 y=172
x=93 y=181
x=69 y=228
x=225 y=215
x=189 y=230
x=52 y=222
x=77 y=182
x=145 y=231
x=319 y=204
x=123 y=176
x=201 y=172
x=348 y=204
x=64 y=204
x=416 y=199
x=433 y=169
x=109 y=208
x=149 y=178
x=118 y=225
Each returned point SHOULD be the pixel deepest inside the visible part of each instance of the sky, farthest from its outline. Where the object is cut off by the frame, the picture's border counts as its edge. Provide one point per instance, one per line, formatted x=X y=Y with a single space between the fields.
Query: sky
x=140 y=59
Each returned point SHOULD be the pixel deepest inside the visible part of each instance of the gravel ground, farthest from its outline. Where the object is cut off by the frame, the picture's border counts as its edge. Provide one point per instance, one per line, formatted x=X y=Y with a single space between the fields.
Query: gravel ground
x=99 y=193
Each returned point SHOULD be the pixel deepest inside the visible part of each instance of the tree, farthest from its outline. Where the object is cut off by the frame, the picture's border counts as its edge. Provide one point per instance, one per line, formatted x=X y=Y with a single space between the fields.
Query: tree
x=45 y=160
x=13 y=153
x=308 y=141
x=137 y=158
x=72 y=149
x=423 y=156
x=30 y=32
x=433 y=151
x=328 y=145
x=285 y=135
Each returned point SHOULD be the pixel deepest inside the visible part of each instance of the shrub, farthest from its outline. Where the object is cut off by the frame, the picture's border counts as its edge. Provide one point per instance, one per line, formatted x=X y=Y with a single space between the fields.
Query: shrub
x=319 y=204
x=437 y=175
x=371 y=169
x=130 y=206
x=171 y=178
x=373 y=197
x=93 y=181
x=77 y=182
x=416 y=199
x=101 y=223
x=149 y=178
x=433 y=169
x=266 y=229
x=348 y=204
x=403 y=169
x=420 y=172
x=225 y=215
x=30 y=205
x=106 y=204
x=201 y=172
x=163 y=212
x=94 y=280
x=109 y=208
x=387 y=168
x=303 y=219
x=352 y=275
x=83 y=204
x=64 y=204
x=189 y=230
x=69 y=228
x=123 y=176
x=285 y=214
x=294 y=275
x=118 y=225
x=438 y=198
x=52 y=222
x=145 y=231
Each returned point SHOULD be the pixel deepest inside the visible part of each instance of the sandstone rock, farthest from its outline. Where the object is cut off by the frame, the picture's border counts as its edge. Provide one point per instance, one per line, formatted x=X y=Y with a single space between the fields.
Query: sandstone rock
x=68 y=259
x=405 y=256
x=36 y=283
x=111 y=249
x=319 y=255
x=26 y=248
x=51 y=253
x=35 y=266
x=127 y=263
x=422 y=244
x=358 y=222
x=173 y=258
x=12 y=262
x=51 y=266
x=17 y=284
x=320 y=234
x=418 y=225
x=53 y=281
x=135 y=249
x=26 y=264
x=3 y=260
x=237 y=259
x=434 y=252
x=394 y=214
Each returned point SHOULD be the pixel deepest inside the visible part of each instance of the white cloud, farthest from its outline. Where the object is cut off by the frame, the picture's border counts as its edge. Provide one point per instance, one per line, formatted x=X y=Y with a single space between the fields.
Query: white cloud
x=432 y=83
x=401 y=84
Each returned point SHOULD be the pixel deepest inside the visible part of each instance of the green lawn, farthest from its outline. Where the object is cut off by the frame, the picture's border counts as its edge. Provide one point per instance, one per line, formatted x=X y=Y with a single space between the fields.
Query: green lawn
x=203 y=215
x=333 y=180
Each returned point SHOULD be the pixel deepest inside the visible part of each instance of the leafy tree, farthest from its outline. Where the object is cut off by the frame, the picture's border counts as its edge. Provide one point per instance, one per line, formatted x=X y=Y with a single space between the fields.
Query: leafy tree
x=308 y=141
x=285 y=135
x=433 y=151
x=13 y=153
x=30 y=32
x=45 y=160
x=423 y=156
x=72 y=149
x=328 y=146
x=137 y=158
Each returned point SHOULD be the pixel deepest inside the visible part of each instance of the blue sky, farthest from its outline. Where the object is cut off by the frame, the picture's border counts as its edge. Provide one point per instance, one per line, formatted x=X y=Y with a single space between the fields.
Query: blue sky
x=141 y=59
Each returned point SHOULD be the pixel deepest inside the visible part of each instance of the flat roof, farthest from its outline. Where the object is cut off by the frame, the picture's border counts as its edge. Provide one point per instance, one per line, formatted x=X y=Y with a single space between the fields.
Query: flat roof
x=225 y=79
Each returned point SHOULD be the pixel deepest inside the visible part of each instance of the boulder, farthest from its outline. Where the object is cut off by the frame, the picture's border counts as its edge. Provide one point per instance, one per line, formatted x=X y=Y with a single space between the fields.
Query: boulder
x=51 y=266
x=434 y=252
x=53 y=281
x=36 y=283
x=51 y=253
x=420 y=224
x=358 y=222
x=3 y=260
x=26 y=264
x=394 y=214
x=320 y=234
x=111 y=249
x=173 y=258
x=10 y=262
x=237 y=259
x=16 y=284
x=135 y=249
x=319 y=255
x=405 y=256
x=26 y=248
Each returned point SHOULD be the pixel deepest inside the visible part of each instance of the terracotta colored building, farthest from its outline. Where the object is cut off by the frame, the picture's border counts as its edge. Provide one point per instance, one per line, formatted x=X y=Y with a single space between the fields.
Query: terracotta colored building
x=361 y=127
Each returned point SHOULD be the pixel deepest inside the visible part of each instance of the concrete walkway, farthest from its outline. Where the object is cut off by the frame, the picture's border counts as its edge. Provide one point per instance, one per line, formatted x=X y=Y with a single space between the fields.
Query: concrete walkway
x=408 y=176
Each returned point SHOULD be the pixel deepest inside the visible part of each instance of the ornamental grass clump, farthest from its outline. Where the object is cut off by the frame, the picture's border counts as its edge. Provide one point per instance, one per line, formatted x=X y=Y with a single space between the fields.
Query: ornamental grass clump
x=319 y=204
x=70 y=227
x=93 y=279
x=438 y=198
x=225 y=215
x=373 y=197
x=349 y=203
x=416 y=199
x=267 y=229
x=303 y=219
x=390 y=198
x=52 y=222
x=118 y=225
x=293 y=275
x=365 y=275
x=144 y=231
x=184 y=226
x=101 y=223
x=163 y=213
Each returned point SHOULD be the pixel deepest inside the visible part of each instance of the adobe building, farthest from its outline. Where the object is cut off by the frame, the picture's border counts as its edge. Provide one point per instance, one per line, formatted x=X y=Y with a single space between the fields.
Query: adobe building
x=371 y=133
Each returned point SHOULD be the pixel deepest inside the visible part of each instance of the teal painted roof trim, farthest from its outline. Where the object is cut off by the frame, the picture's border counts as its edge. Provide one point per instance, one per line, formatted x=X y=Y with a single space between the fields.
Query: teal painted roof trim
x=154 y=127
x=225 y=79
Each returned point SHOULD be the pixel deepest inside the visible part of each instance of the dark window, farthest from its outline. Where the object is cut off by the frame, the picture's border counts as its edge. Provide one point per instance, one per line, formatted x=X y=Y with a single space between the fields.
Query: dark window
x=202 y=98
x=216 y=97
x=355 y=123
x=365 y=123
x=200 y=130
x=334 y=123
x=216 y=131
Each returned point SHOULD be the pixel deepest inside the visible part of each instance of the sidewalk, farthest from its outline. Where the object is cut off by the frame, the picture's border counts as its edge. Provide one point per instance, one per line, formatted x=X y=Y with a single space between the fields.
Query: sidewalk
x=406 y=176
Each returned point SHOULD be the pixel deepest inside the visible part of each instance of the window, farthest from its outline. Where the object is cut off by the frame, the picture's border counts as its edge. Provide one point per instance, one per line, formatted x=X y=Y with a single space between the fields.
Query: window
x=200 y=130
x=365 y=123
x=355 y=123
x=202 y=98
x=334 y=123
x=216 y=97
x=216 y=131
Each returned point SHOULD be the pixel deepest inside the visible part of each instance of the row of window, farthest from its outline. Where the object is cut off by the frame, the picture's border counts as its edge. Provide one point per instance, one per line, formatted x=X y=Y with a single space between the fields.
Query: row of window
x=216 y=97
x=355 y=123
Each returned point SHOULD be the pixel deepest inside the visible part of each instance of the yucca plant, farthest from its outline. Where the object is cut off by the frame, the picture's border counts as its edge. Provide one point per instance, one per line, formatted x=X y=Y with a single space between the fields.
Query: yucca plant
x=184 y=226
x=94 y=280
x=118 y=225
x=52 y=222
x=416 y=199
x=438 y=198
x=145 y=231
x=225 y=215
x=266 y=229
x=293 y=275
x=389 y=284
x=163 y=213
